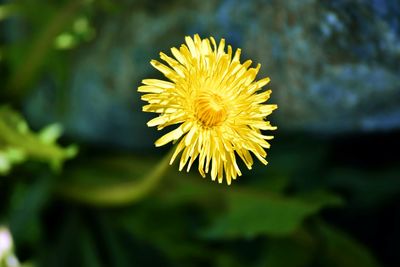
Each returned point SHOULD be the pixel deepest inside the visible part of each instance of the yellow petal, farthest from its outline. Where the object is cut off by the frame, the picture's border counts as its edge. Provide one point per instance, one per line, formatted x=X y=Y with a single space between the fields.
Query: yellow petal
x=173 y=135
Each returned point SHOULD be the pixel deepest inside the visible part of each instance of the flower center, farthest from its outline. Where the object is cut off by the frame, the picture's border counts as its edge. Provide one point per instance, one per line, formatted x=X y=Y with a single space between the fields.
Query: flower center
x=210 y=109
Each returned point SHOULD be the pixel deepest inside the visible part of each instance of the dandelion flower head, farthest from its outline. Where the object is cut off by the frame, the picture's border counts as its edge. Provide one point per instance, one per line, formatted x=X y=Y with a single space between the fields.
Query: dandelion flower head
x=217 y=105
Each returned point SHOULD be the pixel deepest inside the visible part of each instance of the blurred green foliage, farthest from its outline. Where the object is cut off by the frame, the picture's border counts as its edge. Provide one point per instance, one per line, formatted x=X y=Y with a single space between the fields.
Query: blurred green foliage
x=18 y=143
x=186 y=221
x=270 y=217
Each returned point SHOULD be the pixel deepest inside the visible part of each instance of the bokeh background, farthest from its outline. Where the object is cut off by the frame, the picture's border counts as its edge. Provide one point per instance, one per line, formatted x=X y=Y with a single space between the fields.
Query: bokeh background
x=70 y=117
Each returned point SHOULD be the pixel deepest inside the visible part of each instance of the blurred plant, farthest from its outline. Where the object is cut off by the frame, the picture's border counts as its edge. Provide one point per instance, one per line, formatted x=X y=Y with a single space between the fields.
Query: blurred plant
x=60 y=26
x=18 y=143
x=7 y=254
x=213 y=98
x=81 y=31
x=7 y=257
x=187 y=220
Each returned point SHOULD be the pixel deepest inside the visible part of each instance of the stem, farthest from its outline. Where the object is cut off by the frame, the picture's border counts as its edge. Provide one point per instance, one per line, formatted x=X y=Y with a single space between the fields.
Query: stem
x=117 y=194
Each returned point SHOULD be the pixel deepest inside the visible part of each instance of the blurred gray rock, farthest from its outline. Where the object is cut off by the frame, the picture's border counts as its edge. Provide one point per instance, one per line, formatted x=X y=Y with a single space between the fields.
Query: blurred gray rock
x=334 y=65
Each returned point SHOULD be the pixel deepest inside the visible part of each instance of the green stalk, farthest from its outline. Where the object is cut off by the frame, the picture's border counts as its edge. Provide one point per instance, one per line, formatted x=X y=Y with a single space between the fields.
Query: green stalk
x=118 y=194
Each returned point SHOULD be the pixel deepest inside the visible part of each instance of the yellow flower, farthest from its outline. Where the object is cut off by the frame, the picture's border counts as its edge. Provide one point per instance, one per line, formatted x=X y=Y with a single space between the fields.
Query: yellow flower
x=215 y=100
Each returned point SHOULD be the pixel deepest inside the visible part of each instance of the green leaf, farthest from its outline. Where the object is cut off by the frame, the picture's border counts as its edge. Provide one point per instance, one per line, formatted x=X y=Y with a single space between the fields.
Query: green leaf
x=8 y=157
x=27 y=202
x=90 y=257
x=18 y=143
x=301 y=247
x=340 y=250
x=50 y=133
x=252 y=213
